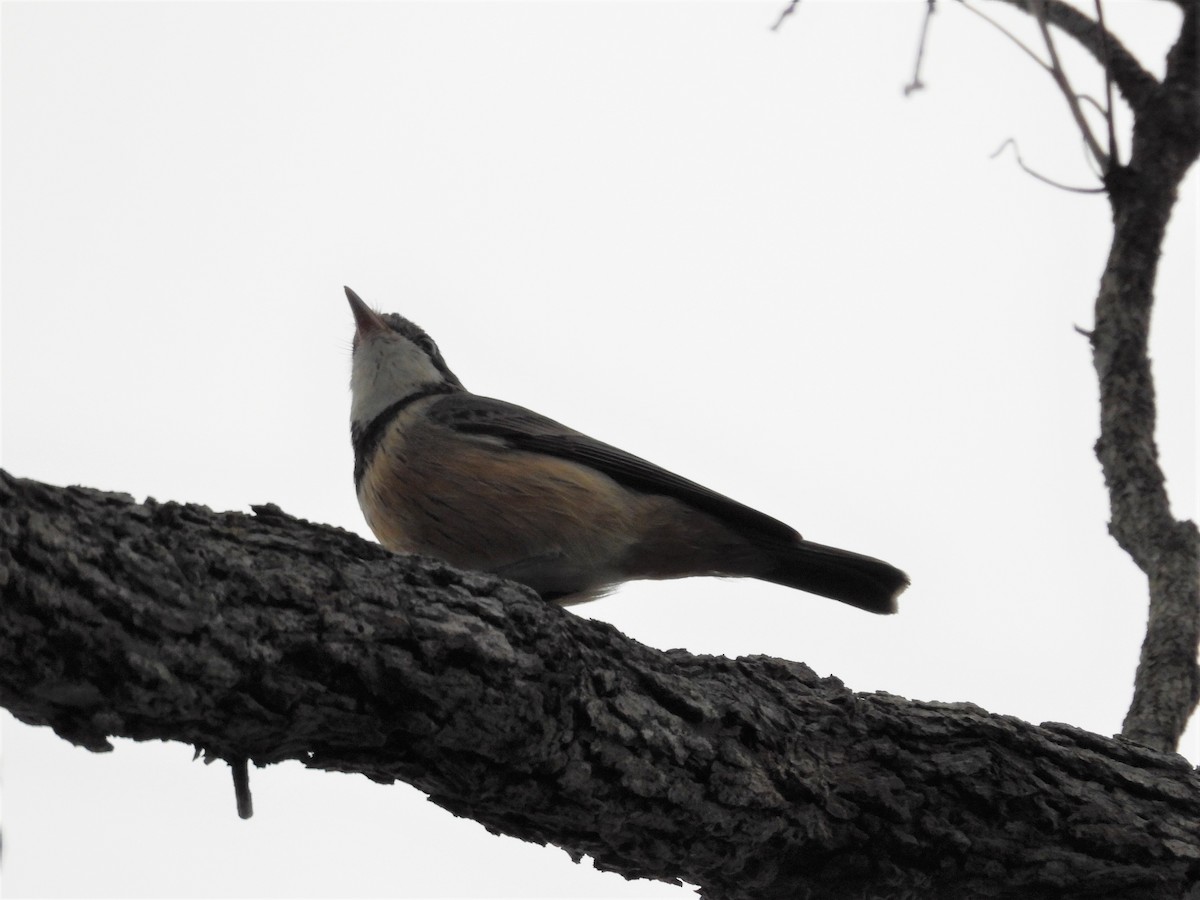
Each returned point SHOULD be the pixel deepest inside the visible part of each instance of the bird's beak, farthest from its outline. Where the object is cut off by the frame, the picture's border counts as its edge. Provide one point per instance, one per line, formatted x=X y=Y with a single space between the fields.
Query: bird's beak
x=366 y=319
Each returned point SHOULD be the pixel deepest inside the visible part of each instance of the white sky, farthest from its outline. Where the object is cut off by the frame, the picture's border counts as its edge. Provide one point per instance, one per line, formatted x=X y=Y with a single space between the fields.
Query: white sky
x=740 y=254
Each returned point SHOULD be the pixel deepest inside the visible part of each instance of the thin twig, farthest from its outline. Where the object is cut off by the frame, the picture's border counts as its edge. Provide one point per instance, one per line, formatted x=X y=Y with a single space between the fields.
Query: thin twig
x=916 y=84
x=1012 y=37
x=1091 y=162
x=1129 y=77
x=1038 y=175
x=1088 y=98
x=1064 y=85
x=791 y=8
x=1113 y=155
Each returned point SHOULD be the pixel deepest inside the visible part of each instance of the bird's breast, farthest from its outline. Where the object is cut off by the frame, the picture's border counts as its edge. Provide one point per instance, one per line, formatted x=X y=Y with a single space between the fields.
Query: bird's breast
x=472 y=501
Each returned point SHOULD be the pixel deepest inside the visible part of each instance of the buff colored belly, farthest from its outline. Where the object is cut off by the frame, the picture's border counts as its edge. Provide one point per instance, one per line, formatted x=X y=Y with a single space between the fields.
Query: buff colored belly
x=555 y=525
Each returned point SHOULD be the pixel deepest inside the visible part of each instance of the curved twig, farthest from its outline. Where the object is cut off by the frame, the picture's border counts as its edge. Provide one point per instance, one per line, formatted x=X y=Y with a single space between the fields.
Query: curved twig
x=1038 y=175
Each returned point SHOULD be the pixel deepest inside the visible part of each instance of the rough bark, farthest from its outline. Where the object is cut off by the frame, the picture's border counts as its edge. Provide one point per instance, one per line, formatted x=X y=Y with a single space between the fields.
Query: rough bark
x=266 y=637
x=1166 y=141
x=1142 y=194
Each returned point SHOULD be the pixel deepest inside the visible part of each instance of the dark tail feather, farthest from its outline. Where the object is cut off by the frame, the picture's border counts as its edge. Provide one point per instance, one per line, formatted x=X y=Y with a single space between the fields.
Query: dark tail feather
x=861 y=581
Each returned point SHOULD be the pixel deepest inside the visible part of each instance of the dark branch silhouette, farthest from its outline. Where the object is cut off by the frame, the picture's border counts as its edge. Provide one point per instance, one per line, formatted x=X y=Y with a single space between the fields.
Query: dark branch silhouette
x=1009 y=142
x=917 y=84
x=269 y=638
x=1132 y=80
x=1142 y=193
x=1166 y=142
x=789 y=10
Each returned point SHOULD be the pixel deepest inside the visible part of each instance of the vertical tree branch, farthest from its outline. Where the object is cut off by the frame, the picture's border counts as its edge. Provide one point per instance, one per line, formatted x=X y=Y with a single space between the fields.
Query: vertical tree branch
x=1167 y=685
x=1166 y=141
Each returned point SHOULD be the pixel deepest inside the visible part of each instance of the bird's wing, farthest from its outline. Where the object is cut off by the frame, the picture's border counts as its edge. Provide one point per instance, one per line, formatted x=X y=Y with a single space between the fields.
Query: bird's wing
x=523 y=429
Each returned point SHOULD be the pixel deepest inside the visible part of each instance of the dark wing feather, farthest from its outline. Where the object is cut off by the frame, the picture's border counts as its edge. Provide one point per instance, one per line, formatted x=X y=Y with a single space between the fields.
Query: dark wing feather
x=523 y=429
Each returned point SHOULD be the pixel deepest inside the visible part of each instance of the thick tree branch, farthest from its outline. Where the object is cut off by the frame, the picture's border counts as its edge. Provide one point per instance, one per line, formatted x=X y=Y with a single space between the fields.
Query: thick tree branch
x=1166 y=142
x=268 y=637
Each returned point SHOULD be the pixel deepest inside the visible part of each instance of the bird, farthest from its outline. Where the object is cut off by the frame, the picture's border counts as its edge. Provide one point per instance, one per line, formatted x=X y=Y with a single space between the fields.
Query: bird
x=486 y=485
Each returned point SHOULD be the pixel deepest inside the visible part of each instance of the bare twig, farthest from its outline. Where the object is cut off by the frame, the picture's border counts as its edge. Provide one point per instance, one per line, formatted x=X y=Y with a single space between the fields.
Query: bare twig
x=1113 y=154
x=1038 y=175
x=1055 y=70
x=916 y=84
x=789 y=10
x=1088 y=98
x=1008 y=34
x=1064 y=85
x=1093 y=102
x=1131 y=78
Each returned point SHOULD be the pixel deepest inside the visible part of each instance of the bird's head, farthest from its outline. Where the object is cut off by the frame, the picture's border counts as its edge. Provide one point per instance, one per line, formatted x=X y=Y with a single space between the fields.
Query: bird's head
x=393 y=359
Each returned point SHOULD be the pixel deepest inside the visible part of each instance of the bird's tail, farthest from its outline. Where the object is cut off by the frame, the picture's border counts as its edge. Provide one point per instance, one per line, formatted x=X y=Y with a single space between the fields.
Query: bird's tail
x=852 y=578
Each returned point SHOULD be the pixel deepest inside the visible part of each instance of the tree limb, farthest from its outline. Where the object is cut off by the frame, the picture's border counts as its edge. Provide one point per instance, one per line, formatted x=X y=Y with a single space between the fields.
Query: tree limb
x=1166 y=142
x=271 y=638
x=1131 y=79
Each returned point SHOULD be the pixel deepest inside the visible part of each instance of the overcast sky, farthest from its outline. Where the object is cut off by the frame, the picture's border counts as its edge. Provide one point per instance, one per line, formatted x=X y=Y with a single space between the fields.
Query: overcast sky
x=741 y=254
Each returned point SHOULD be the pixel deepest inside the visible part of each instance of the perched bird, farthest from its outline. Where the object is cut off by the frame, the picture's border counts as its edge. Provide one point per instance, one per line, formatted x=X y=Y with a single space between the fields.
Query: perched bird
x=490 y=486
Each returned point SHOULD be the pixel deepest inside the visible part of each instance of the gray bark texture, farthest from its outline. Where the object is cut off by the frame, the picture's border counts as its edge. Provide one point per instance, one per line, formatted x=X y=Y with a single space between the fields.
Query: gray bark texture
x=1142 y=193
x=268 y=637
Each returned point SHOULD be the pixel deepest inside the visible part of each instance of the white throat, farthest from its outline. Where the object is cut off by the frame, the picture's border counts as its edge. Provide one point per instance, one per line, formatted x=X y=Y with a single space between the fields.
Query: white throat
x=387 y=368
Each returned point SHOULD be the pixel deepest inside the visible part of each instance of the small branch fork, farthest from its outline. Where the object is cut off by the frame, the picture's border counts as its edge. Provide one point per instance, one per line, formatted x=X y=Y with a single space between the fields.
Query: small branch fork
x=1165 y=144
x=1142 y=193
x=1124 y=71
x=1103 y=47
